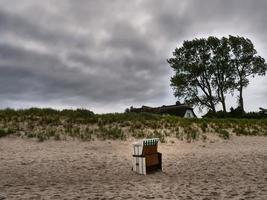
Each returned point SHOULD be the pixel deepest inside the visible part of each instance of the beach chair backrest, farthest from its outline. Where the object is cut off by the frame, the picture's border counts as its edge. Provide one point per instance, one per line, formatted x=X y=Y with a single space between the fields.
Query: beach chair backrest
x=138 y=148
x=146 y=146
x=150 y=142
x=150 y=146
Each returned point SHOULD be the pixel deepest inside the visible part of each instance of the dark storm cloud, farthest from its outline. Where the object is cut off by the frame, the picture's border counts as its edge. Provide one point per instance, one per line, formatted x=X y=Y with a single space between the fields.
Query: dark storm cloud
x=108 y=55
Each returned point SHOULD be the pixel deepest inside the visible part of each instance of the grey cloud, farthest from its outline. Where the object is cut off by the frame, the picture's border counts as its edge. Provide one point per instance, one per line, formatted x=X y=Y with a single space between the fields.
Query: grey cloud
x=44 y=76
x=109 y=55
x=30 y=30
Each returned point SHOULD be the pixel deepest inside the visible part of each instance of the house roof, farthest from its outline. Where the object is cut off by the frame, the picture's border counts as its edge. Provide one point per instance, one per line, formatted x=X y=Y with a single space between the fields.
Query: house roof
x=263 y=110
x=177 y=110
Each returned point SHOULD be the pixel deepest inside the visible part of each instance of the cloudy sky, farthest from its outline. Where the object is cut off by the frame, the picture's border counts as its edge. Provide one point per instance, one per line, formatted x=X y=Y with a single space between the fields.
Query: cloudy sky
x=108 y=55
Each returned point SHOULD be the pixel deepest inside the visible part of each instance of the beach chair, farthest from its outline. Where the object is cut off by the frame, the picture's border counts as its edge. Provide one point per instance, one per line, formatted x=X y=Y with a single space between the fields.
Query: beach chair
x=146 y=157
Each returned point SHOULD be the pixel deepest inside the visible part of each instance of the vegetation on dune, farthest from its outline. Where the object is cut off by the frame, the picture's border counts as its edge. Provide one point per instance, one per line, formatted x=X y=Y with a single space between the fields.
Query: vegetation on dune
x=46 y=124
x=6 y=131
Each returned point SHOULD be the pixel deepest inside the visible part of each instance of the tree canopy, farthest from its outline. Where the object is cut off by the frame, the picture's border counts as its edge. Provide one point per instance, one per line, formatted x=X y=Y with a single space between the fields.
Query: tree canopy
x=207 y=69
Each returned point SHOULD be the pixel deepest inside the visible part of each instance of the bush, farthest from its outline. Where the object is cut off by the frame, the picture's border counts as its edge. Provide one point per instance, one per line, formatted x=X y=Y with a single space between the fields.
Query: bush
x=57 y=136
x=41 y=137
x=204 y=127
x=138 y=134
x=87 y=135
x=6 y=132
x=111 y=133
x=179 y=134
x=157 y=134
x=224 y=134
x=235 y=113
x=30 y=135
x=191 y=133
x=3 y=133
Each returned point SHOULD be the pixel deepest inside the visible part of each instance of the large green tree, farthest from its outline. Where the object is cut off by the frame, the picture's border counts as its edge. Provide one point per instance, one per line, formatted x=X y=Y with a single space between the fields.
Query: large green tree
x=246 y=63
x=207 y=69
x=222 y=72
x=193 y=75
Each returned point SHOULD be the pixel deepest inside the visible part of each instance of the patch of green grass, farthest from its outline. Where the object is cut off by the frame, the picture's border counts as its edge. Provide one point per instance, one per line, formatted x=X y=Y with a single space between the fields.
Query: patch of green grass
x=241 y=131
x=191 y=133
x=3 y=133
x=41 y=137
x=204 y=138
x=179 y=134
x=30 y=135
x=224 y=134
x=57 y=136
x=51 y=133
x=111 y=133
x=158 y=134
x=138 y=134
x=87 y=135
x=6 y=132
x=204 y=126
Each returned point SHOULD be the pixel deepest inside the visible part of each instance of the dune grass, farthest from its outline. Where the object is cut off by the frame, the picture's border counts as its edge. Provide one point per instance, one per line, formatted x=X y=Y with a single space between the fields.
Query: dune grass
x=45 y=124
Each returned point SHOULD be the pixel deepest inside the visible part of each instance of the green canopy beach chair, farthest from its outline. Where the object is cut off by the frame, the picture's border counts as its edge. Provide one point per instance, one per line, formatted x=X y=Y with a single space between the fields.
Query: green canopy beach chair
x=146 y=157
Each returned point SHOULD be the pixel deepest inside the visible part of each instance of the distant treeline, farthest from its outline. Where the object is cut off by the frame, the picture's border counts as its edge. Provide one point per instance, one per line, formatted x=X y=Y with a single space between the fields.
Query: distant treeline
x=235 y=113
x=47 y=111
x=84 y=113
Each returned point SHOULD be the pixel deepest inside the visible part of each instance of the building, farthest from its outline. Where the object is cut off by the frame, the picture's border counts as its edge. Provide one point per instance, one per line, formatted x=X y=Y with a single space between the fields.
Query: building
x=179 y=110
x=263 y=111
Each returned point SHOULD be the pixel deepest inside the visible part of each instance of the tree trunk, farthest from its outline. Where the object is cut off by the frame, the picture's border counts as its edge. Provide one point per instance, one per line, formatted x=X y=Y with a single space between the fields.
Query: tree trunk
x=223 y=102
x=241 y=102
x=212 y=106
x=224 y=106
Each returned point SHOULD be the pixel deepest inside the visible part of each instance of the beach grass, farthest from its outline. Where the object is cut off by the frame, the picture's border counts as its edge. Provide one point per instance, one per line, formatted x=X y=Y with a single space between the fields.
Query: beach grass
x=44 y=124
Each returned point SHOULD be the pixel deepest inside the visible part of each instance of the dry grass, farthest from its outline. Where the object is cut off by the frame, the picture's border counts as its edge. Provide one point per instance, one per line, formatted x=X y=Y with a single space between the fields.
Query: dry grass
x=45 y=124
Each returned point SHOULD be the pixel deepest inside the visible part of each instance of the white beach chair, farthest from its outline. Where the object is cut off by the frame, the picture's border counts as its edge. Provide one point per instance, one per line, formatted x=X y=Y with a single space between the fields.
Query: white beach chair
x=146 y=157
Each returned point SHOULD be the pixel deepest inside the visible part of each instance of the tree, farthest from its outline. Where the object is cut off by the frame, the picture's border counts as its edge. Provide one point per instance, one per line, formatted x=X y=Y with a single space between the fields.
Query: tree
x=245 y=62
x=207 y=69
x=223 y=74
x=193 y=75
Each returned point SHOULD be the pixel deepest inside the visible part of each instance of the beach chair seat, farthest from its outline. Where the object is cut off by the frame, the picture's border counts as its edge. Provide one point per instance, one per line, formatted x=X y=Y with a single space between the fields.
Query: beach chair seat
x=146 y=157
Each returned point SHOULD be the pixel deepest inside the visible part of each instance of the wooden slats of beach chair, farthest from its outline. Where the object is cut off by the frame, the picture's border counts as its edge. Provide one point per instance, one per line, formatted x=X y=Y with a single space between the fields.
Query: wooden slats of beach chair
x=146 y=157
x=147 y=150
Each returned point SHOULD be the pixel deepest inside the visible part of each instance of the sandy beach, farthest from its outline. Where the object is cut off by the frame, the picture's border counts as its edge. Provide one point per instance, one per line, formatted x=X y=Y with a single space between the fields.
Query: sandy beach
x=233 y=169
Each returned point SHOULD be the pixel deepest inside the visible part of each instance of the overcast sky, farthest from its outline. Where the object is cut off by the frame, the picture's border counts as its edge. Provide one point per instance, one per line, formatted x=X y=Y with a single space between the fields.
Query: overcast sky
x=108 y=55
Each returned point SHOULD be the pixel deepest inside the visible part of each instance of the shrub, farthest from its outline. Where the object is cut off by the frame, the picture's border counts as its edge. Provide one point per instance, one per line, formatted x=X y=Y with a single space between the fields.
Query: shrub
x=204 y=138
x=157 y=134
x=204 y=127
x=57 y=136
x=241 y=131
x=3 y=133
x=138 y=134
x=137 y=125
x=87 y=135
x=111 y=133
x=224 y=134
x=41 y=137
x=191 y=133
x=6 y=132
x=179 y=134
x=51 y=133
x=30 y=135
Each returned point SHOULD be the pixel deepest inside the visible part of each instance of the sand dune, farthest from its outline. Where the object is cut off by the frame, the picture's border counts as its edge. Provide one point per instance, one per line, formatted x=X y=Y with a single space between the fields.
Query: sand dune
x=235 y=169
